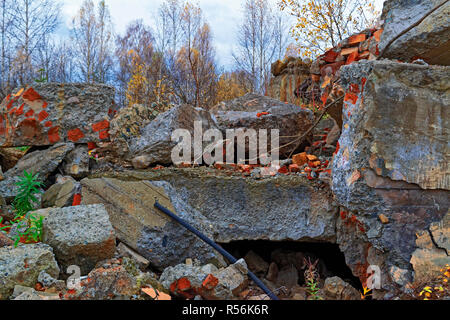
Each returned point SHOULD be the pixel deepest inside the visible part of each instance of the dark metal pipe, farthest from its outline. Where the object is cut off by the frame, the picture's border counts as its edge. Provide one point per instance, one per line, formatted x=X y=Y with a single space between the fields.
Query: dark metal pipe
x=223 y=252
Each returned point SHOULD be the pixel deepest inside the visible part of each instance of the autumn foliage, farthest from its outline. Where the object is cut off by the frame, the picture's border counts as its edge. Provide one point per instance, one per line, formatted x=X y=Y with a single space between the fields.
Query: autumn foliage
x=322 y=24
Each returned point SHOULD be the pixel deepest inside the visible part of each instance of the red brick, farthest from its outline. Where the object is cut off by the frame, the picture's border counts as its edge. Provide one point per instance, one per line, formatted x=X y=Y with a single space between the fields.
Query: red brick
x=352 y=57
x=300 y=159
x=210 y=282
x=330 y=56
x=377 y=35
x=357 y=38
x=363 y=56
x=347 y=51
x=184 y=284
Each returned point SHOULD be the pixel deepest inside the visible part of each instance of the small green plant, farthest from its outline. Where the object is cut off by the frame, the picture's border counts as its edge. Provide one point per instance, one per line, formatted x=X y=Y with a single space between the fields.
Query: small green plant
x=3 y=227
x=42 y=78
x=313 y=289
x=23 y=149
x=28 y=225
x=31 y=224
x=311 y=277
x=29 y=187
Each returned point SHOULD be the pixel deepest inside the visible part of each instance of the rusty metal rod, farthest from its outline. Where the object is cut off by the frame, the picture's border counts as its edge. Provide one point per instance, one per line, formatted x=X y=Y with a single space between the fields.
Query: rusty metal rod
x=222 y=251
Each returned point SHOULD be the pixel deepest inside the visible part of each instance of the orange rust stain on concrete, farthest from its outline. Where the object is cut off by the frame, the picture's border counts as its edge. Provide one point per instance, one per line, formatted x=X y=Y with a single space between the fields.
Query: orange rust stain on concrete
x=53 y=135
x=351 y=97
x=42 y=115
x=29 y=128
x=100 y=126
x=10 y=104
x=19 y=111
x=31 y=95
x=2 y=126
x=354 y=88
x=363 y=82
x=6 y=98
x=29 y=113
x=103 y=134
x=75 y=135
x=91 y=145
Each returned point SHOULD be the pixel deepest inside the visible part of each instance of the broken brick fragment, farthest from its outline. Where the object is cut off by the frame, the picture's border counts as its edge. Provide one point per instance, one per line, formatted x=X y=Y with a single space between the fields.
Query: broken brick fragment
x=383 y=219
x=20 y=110
x=377 y=35
x=283 y=170
x=102 y=135
x=364 y=55
x=183 y=284
x=210 y=282
x=352 y=57
x=330 y=56
x=29 y=113
x=300 y=159
x=347 y=51
x=357 y=38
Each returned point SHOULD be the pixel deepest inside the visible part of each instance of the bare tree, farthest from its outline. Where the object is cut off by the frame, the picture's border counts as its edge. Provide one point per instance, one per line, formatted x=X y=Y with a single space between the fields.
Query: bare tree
x=5 y=23
x=172 y=11
x=137 y=43
x=63 y=65
x=92 y=34
x=55 y=60
x=32 y=21
x=281 y=34
x=105 y=43
x=261 y=39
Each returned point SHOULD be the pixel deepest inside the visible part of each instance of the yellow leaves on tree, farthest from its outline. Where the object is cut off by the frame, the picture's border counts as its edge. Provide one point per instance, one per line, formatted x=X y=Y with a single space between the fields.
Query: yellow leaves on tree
x=322 y=24
x=229 y=87
x=141 y=91
x=137 y=86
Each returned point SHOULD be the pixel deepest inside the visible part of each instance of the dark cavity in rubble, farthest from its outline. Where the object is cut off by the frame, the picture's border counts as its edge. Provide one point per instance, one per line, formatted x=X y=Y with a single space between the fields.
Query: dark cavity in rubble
x=331 y=258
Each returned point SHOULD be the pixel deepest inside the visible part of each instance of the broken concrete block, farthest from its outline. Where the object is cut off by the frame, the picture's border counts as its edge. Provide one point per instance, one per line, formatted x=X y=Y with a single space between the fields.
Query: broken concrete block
x=50 y=113
x=81 y=236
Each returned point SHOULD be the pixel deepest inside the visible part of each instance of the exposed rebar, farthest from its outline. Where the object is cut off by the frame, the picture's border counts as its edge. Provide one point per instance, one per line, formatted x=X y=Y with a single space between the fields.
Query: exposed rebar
x=222 y=251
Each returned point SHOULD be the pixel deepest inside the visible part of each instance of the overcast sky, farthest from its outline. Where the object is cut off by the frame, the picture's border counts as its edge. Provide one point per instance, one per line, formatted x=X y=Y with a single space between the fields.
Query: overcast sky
x=223 y=15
